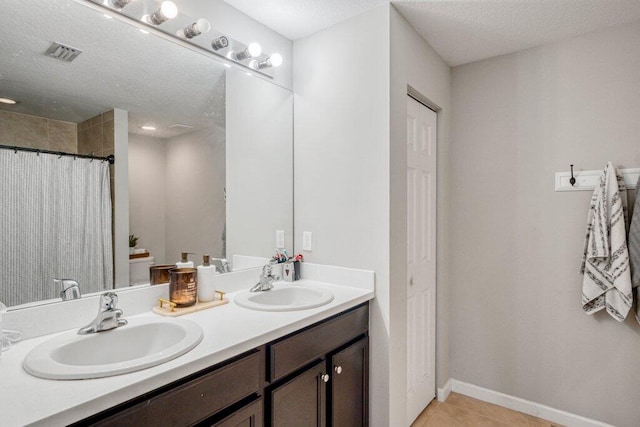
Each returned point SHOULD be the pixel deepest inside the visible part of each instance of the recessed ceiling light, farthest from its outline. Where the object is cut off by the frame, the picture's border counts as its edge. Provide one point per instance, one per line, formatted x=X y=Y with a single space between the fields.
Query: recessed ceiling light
x=8 y=101
x=180 y=126
x=144 y=31
x=148 y=127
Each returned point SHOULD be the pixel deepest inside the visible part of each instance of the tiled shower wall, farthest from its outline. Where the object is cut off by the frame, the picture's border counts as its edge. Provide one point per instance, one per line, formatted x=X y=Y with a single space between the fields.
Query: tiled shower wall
x=23 y=130
x=95 y=135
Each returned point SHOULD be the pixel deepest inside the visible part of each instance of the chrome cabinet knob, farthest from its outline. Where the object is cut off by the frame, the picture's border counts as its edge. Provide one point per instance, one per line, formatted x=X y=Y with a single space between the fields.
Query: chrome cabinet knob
x=325 y=377
x=338 y=369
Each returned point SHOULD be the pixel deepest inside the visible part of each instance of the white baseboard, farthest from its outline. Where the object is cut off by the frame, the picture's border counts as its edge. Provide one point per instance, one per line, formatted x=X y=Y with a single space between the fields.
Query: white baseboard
x=521 y=405
x=444 y=392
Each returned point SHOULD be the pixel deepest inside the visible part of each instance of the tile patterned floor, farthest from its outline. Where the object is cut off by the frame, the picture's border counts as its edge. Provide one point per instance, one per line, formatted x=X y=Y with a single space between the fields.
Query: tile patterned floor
x=463 y=411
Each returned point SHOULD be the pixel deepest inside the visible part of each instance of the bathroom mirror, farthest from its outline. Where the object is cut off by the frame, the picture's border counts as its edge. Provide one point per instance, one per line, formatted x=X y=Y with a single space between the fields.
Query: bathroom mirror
x=213 y=177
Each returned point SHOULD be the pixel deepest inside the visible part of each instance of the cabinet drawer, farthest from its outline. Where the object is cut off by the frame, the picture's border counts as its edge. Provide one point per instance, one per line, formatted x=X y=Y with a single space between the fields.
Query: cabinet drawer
x=295 y=351
x=197 y=399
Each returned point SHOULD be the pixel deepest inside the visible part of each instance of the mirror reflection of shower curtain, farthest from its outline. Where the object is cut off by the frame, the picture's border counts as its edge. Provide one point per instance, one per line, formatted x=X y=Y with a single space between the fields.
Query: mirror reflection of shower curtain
x=55 y=222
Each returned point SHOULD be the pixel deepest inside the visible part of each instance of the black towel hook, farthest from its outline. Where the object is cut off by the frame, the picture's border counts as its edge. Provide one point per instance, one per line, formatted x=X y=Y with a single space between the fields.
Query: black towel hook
x=572 y=181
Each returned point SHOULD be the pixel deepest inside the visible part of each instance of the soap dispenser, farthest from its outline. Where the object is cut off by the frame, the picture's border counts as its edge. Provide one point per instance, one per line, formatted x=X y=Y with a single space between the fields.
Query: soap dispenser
x=184 y=262
x=206 y=280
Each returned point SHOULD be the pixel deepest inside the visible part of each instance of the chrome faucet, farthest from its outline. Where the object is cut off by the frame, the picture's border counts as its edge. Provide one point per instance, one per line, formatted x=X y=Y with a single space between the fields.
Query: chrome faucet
x=266 y=280
x=70 y=289
x=108 y=316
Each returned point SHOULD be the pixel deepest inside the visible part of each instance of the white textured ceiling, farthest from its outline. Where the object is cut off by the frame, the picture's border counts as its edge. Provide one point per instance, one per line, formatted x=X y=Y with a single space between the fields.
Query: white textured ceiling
x=295 y=19
x=461 y=31
x=468 y=31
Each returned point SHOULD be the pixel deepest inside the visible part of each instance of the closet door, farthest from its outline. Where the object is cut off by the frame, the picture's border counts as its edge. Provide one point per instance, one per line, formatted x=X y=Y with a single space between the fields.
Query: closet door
x=421 y=259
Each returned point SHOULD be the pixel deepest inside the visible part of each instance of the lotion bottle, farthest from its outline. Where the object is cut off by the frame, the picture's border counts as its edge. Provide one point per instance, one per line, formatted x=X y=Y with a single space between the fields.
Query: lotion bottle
x=206 y=280
x=184 y=262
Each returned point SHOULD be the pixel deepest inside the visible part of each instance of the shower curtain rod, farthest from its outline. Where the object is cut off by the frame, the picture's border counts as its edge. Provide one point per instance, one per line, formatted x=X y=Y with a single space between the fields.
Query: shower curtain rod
x=110 y=158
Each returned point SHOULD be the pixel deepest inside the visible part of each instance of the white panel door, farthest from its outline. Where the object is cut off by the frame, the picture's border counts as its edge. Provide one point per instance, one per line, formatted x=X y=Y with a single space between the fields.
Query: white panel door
x=421 y=260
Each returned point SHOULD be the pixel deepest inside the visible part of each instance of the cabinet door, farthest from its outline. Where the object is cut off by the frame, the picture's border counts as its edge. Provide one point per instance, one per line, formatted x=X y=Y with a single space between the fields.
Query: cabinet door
x=349 y=385
x=249 y=416
x=301 y=401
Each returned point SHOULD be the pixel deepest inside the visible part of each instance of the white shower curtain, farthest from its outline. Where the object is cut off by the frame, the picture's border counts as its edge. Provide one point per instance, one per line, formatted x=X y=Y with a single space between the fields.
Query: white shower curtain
x=55 y=222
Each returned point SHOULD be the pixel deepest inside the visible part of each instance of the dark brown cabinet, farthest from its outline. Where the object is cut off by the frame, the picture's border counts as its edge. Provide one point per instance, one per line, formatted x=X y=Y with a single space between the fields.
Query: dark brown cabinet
x=191 y=400
x=348 y=394
x=249 y=416
x=300 y=401
x=317 y=376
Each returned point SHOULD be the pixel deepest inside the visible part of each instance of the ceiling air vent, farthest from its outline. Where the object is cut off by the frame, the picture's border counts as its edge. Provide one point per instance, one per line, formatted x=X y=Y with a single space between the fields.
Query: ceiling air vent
x=62 y=52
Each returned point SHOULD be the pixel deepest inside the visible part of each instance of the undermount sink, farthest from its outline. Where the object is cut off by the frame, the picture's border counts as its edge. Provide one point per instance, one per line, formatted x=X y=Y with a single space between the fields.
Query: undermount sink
x=285 y=297
x=143 y=343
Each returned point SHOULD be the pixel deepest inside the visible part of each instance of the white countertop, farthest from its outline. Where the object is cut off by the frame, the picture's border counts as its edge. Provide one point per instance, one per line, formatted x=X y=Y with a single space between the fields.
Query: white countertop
x=229 y=330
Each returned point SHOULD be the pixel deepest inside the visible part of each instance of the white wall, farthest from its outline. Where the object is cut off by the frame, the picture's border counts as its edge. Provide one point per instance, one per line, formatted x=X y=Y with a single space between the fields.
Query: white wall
x=235 y=24
x=148 y=193
x=260 y=148
x=341 y=110
x=516 y=321
x=414 y=63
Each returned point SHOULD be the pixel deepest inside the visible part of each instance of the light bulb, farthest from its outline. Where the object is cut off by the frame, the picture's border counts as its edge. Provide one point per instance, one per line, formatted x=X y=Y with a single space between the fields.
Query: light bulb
x=276 y=60
x=195 y=29
x=168 y=10
x=203 y=25
x=220 y=43
x=254 y=49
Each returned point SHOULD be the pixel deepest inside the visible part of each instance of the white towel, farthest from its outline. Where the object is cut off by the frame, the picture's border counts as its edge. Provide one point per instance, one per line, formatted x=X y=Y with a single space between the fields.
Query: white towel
x=605 y=265
x=634 y=248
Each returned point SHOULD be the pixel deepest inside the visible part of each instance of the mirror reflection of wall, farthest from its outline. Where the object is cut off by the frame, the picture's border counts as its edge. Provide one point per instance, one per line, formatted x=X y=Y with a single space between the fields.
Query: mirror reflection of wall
x=259 y=186
x=176 y=194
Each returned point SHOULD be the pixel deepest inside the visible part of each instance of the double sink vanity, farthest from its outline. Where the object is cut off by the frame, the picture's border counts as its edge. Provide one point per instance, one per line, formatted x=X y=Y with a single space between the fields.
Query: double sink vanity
x=294 y=355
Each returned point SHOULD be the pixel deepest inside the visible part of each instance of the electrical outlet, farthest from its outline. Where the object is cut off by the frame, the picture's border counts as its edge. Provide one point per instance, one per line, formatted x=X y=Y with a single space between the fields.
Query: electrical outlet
x=307 y=241
x=280 y=239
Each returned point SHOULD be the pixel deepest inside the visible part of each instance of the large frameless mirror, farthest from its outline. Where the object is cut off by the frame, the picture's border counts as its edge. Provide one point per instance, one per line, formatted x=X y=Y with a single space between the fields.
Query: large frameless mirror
x=203 y=153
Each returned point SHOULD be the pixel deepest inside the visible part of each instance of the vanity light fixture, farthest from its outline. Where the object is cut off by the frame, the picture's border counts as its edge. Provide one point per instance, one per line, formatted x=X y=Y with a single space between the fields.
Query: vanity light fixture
x=167 y=10
x=201 y=26
x=8 y=101
x=251 y=51
x=274 y=60
x=220 y=43
x=148 y=127
x=119 y=4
